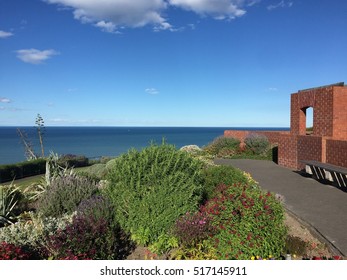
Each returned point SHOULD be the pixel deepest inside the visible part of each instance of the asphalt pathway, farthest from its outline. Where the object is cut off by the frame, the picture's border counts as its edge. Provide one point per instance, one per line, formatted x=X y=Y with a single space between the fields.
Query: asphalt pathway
x=321 y=206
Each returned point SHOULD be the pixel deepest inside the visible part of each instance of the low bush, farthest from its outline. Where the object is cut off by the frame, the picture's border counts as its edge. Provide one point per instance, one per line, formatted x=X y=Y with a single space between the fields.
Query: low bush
x=64 y=194
x=13 y=252
x=151 y=188
x=257 y=144
x=223 y=145
x=192 y=228
x=93 y=234
x=69 y=161
x=9 y=172
x=223 y=174
x=248 y=222
x=31 y=231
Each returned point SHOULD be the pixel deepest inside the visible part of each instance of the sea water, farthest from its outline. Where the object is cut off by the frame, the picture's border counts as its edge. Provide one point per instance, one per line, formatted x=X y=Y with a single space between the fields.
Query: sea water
x=94 y=142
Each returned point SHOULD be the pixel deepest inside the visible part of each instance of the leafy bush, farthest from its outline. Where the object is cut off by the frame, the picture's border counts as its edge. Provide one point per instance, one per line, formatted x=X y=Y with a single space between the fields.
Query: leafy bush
x=222 y=145
x=64 y=194
x=248 y=221
x=97 y=171
x=223 y=174
x=12 y=252
x=192 y=228
x=152 y=188
x=31 y=231
x=257 y=144
x=203 y=250
x=93 y=234
x=69 y=160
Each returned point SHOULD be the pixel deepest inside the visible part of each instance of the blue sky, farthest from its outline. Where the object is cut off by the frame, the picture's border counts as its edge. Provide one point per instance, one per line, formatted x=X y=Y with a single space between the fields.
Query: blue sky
x=165 y=62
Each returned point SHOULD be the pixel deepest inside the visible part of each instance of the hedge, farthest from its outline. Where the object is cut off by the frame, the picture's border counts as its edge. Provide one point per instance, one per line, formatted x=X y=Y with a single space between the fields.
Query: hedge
x=8 y=172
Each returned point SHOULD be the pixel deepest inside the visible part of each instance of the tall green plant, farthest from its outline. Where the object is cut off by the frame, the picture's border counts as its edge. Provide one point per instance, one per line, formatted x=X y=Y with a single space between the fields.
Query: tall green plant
x=9 y=197
x=152 y=188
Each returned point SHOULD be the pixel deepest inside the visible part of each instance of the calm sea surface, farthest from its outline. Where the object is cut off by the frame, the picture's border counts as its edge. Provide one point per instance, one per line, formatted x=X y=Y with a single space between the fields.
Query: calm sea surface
x=103 y=141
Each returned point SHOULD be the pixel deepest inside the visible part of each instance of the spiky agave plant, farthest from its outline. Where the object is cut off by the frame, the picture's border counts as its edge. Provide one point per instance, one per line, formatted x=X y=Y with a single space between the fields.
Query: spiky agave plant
x=9 y=197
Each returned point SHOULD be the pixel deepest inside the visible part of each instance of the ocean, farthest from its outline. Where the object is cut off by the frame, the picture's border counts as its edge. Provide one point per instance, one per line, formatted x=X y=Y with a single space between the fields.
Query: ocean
x=94 y=142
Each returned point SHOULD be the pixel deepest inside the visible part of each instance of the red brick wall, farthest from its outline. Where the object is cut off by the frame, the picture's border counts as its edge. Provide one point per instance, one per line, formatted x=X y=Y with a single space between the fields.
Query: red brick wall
x=336 y=152
x=309 y=148
x=340 y=113
x=287 y=151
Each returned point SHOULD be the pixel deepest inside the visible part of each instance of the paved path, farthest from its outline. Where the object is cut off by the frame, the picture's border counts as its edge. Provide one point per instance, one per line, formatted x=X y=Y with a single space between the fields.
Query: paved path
x=323 y=207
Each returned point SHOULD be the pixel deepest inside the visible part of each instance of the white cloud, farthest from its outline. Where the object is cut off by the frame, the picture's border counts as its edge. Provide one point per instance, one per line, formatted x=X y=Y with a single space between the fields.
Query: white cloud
x=272 y=89
x=152 y=91
x=4 y=100
x=281 y=4
x=4 y=34
x=219 y=9
x=110 y=15
x=35 y=56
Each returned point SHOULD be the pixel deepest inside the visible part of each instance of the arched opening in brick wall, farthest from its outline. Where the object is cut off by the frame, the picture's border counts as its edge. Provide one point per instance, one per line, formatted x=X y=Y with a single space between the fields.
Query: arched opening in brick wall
x=309 y=120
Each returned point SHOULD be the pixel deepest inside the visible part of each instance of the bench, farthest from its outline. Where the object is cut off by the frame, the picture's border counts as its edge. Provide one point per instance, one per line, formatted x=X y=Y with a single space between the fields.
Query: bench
x=326 y=171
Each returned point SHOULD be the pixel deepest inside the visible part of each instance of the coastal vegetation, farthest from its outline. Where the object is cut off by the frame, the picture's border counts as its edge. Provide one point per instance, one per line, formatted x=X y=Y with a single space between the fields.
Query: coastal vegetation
x=167 y=200
x=166 y=203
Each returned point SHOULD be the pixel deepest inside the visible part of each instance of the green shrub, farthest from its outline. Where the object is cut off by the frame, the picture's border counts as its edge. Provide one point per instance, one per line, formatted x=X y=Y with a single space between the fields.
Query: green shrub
x=68 y=161
x=93 y=234
x=9 y=172
x=31 y=231
x=222 y=145
x=64 y=194
x=223 y=174
x=295 y=245
x=97 y=171
x=152 y=188
x=248 y=221
x=257 y=144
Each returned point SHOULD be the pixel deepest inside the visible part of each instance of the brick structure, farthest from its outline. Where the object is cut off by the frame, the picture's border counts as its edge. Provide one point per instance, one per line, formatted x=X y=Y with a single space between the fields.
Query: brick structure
x=328 y=141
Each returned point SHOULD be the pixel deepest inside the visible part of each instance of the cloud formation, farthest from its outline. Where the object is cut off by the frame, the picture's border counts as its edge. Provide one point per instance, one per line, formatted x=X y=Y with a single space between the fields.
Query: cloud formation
x=219 y=9
x=111 y=15
x=152 y=91
x=5 y=100
x=4 y=34
x=281 y=4
x=35 y=56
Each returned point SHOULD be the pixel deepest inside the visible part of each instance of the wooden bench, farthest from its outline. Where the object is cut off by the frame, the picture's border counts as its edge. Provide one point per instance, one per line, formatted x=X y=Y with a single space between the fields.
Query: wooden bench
x=326 y=171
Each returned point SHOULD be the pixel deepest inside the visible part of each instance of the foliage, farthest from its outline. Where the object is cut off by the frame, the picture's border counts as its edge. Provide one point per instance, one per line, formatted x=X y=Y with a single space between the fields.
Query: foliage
x=40 y=127
x=164 y=244
x=9 y=172
x=222 y=174
x=93 y=233
x=222 y=145
x=97 y=171
x=152 y=188
x=70 y=160
x=248 y=222
x=203 y=250
x=192 y=228
x=9 y=197
x=31 y=231
x=12 y=252
x=64 y=194
x=256 y=143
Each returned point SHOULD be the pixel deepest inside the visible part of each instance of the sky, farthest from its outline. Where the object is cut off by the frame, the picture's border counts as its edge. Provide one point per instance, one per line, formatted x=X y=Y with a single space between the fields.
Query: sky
x=211 y=63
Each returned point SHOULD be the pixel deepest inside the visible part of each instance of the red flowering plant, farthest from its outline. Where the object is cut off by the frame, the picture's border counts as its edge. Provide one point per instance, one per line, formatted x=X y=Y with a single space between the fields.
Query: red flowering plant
x=13 y=252
x=192 y=228
x=247 y=221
